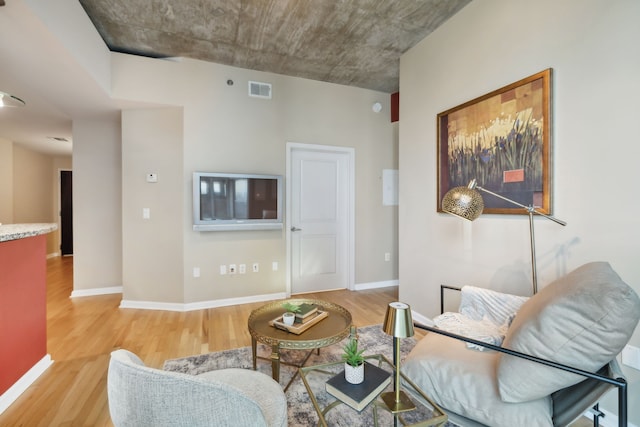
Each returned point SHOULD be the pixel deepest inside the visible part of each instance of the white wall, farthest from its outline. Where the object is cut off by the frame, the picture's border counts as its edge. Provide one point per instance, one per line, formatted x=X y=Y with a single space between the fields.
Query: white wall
x=592 y=47
x=29 y=188
x=6 y=181
x=224 y=130
x=97 y=204
x=152 y=248
x=32 y=176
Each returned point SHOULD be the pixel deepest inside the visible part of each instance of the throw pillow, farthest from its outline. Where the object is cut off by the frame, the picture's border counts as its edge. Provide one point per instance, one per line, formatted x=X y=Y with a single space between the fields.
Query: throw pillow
x=583 y=320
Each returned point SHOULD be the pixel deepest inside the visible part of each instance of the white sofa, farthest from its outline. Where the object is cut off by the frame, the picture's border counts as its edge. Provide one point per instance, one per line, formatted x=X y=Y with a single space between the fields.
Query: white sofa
x=582 y=320
x=141 y=396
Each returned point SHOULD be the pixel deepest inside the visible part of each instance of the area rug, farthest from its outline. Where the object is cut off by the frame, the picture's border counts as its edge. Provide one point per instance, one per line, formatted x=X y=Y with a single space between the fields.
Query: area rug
x=300 y=409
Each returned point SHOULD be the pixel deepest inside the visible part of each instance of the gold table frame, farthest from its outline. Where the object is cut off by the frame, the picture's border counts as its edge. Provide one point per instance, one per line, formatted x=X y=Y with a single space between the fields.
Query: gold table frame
x=331 y=330
x=439 y=417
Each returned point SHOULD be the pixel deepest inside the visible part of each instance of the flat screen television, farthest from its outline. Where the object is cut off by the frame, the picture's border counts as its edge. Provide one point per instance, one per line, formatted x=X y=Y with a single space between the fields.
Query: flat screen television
x=230 y=201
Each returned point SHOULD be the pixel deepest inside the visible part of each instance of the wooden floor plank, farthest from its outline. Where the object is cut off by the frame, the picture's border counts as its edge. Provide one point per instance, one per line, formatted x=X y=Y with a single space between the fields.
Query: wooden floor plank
x=82 y=332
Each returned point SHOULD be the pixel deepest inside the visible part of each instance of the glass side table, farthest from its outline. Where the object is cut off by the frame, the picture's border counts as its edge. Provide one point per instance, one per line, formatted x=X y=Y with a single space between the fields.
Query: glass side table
x=427 y=413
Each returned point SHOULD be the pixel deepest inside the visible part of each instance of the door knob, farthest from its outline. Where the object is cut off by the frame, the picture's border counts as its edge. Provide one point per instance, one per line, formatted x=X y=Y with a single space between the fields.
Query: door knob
x=296 y=229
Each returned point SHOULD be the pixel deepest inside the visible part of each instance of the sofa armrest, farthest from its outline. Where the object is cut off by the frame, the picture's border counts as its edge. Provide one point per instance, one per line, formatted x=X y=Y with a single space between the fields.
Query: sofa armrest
x=597 y=380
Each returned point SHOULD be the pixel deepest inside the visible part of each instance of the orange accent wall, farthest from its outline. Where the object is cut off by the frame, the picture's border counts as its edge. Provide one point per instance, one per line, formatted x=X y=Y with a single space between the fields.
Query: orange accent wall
x=23 y=309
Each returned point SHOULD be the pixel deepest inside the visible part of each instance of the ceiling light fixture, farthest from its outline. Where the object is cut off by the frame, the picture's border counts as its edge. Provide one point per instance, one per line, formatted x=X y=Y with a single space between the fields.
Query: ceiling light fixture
x=7 y=100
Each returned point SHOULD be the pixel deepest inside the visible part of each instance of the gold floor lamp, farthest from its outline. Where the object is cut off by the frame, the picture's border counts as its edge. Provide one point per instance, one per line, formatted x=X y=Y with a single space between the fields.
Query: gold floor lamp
x=467 y=203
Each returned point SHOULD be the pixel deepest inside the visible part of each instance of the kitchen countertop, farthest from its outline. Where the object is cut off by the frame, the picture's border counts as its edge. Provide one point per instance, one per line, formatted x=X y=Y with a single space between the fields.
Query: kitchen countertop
x=20 y=231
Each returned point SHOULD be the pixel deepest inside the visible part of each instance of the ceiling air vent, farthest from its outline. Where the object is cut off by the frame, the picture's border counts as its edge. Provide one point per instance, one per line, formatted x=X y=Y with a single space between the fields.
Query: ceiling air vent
x=260 y=90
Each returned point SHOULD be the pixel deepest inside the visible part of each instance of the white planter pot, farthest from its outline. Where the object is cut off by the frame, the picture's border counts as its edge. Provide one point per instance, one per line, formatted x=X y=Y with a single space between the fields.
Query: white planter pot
x=288 y=318
x=354 y=374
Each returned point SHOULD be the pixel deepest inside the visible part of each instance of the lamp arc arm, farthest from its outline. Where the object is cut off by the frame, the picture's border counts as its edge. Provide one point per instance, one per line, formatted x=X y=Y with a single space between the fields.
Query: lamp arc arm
x=530 y=209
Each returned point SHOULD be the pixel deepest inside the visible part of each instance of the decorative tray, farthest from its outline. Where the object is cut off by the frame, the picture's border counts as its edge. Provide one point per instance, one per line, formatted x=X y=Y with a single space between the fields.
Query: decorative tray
x=298 y=328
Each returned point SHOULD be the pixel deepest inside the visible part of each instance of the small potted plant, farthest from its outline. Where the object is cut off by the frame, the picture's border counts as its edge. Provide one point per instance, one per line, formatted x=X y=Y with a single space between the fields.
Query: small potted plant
x=353 y=362
x=290 y=315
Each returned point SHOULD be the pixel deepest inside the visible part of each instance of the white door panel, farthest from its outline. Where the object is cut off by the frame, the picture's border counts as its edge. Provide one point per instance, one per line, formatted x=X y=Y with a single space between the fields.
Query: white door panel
x=317 y=191
x=319 y=219
x=317 y=255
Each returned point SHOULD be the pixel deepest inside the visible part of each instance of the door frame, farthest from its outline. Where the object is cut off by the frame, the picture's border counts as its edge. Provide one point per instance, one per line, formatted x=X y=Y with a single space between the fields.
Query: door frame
x=350 y=235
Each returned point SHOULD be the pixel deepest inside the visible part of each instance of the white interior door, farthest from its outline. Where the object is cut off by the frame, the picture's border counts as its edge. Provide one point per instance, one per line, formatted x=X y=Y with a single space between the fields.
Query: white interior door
x=320 y=226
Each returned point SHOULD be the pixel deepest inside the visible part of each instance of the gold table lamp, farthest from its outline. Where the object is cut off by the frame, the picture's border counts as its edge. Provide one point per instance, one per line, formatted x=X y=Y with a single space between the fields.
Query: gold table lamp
x=398 y=324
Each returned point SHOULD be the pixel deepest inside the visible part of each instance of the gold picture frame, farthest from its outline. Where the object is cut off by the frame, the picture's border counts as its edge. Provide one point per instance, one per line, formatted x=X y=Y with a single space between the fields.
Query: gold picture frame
x=503 y=140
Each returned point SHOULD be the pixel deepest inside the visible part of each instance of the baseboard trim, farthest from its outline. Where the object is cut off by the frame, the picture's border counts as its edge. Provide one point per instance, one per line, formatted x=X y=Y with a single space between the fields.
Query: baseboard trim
x=376 y=285
x=150 y=305
x=419 y=318
x=12 y=394
x=201 y=305
x=76 y=293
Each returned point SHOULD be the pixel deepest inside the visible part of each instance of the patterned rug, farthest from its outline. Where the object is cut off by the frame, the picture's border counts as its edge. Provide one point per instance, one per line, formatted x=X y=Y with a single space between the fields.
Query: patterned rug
x=300 y=409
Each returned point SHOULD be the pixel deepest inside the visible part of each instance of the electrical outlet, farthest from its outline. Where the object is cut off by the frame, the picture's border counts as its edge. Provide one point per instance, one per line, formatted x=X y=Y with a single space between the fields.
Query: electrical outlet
x=196 y=271
x=274 y=265
x=223 y=269
x=232 y=269
x=256 y=267
x=387 y=256
x=243 y=268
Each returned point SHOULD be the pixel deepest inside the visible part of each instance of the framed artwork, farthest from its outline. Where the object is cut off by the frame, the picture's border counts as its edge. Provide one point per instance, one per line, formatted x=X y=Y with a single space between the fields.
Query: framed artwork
x=503 y=140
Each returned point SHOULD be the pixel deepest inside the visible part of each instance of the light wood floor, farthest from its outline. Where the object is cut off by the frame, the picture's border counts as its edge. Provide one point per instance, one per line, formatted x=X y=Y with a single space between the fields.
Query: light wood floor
x=82 y=332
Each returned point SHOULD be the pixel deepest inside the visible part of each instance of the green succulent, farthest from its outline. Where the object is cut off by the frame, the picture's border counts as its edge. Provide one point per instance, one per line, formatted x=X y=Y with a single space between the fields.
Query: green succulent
x=293 y=308
x=352 y=355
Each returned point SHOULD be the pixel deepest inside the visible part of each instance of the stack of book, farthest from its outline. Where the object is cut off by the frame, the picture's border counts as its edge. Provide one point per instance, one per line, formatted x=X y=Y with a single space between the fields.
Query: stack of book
x=307 y=316
x=306 y=312
x=358 y=396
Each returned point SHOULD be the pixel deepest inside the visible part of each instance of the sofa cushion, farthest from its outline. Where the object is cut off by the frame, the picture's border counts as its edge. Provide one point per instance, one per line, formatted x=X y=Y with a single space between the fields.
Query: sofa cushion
x=583 y=320
x=464 y=381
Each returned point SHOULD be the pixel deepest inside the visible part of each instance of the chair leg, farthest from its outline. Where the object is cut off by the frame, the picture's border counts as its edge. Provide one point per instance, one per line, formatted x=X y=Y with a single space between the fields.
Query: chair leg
x=597 y=414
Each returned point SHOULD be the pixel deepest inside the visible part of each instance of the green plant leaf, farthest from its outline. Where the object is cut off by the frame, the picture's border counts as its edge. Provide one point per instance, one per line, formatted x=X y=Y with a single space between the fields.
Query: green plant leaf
x=352 y=355
x=294 y=308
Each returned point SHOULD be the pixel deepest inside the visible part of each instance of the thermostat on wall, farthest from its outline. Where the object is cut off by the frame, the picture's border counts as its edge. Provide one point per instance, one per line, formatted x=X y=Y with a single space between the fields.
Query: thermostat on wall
x=152 y=177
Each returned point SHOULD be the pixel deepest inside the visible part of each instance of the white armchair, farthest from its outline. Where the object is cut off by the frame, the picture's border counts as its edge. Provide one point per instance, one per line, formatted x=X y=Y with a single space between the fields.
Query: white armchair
x=142 y=396
x=556 y=360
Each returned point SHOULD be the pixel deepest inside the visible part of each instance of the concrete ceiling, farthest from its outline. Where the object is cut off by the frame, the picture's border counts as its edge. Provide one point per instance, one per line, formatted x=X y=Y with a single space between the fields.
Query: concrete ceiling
x=350 y=42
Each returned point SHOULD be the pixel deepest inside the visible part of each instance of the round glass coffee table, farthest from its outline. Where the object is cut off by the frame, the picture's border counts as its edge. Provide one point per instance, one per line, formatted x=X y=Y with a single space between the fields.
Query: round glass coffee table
x=330 y=330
